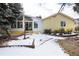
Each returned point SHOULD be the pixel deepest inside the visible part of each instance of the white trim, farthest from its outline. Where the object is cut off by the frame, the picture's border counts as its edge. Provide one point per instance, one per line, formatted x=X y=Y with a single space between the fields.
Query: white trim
x=23 y=23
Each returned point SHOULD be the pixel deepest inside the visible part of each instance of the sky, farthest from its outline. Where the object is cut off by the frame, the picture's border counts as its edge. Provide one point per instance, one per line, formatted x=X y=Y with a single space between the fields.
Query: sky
x=46 y=8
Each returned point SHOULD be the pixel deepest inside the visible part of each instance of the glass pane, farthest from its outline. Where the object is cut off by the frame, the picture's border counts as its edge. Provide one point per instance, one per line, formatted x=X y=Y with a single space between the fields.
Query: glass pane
x=26 y=25
x=63 y=23
x=35 y=25
x=30 y=25
x=19 y=24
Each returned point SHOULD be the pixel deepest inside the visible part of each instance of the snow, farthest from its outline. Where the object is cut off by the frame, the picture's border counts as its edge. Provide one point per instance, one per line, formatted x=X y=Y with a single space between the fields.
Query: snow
x=22 y=37
x=20 y=42
x=39 y=38
x=48 y=48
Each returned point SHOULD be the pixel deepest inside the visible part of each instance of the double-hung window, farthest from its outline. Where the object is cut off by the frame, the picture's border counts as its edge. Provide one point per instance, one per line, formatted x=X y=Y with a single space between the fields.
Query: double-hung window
x=63 y=23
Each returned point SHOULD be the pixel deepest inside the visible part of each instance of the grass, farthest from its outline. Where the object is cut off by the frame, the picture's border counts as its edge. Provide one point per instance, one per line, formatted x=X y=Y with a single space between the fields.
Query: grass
x=70 y=45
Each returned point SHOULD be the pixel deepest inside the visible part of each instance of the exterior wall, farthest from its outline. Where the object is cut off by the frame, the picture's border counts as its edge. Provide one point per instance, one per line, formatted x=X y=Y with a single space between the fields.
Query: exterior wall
x=47 y=23
x=54 y=22
x=70 y=24
x=17 y=29
x=39 y=22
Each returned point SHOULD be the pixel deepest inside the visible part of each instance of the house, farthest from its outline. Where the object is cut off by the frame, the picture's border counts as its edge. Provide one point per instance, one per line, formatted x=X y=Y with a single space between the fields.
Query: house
x=77 y=25
x=32 y=24
x=37 y=24
x=58 y=21
x=77 y=22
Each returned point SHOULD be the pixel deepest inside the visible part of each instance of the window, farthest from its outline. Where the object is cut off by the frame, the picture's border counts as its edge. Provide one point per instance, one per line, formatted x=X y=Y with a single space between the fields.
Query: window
x=35 y=25
x=19 y=24
x=29 y=25
x=13 y=25
x=63 y=23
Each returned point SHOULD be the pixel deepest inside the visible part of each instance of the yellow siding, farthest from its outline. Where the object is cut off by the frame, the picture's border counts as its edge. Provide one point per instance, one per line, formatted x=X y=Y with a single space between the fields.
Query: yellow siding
x=47 y=23
x=54 y=22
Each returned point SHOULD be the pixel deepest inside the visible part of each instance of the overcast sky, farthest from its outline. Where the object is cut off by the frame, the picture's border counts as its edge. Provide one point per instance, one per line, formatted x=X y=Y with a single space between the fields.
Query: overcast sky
x=46 y=8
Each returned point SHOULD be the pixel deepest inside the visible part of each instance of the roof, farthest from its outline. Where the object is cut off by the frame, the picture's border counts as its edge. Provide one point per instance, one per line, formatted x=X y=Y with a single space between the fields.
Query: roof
x=21 y=17
x=57 y=14
x=28 y=18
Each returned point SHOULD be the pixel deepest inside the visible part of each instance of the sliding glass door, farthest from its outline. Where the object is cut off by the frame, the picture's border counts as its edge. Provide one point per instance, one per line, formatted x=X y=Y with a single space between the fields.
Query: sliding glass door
x=28 y=25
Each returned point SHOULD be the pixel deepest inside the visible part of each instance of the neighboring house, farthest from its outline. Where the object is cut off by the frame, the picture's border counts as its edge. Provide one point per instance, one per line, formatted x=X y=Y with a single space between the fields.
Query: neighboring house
x=58 y=21
x=28 y=24
x=77 y=22
x=77 y=25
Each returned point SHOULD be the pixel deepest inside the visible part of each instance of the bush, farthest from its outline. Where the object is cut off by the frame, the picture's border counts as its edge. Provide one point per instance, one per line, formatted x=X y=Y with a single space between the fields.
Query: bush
x=61 y=31
x=56 y=31
x=47 y=31
x=68 y=31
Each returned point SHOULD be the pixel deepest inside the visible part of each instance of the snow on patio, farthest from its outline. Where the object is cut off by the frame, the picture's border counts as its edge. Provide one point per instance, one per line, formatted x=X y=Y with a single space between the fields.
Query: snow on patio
x=49 y=48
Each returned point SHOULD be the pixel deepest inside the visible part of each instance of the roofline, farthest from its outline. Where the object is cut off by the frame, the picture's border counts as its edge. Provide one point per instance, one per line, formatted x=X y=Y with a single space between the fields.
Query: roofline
x=60 y=14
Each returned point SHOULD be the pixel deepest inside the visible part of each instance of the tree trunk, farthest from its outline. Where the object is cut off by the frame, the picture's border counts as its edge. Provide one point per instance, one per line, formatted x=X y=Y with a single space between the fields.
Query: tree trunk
x=7 y=33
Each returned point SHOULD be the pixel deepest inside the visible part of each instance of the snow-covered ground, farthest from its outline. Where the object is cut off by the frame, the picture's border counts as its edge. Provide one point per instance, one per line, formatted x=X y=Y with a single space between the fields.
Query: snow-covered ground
x=39 y=39
x=49 y=48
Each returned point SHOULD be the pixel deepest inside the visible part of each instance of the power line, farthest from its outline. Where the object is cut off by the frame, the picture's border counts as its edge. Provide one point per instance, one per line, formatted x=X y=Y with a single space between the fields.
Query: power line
x=62 y=7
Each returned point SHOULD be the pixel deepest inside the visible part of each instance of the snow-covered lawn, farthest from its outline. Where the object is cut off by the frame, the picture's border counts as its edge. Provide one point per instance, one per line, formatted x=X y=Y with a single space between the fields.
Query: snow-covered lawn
x=48 y=48
x=39 y=39
x=20 y=42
